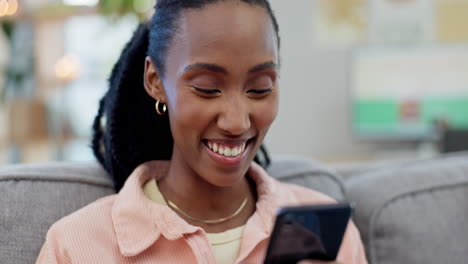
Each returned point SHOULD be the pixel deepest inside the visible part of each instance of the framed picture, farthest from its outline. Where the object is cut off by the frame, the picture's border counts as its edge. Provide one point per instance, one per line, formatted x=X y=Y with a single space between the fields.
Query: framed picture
x=401 y=21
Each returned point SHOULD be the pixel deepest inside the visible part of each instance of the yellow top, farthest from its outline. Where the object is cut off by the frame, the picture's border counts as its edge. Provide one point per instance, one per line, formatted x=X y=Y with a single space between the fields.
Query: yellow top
x=225 y=245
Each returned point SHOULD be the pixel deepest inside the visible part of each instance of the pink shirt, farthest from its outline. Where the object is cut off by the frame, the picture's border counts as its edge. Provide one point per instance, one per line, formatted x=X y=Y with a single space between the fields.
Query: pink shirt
x=130 y=228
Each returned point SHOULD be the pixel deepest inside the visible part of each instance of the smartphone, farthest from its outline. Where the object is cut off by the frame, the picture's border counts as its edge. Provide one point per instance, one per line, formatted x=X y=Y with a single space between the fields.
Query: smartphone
x=308 y=232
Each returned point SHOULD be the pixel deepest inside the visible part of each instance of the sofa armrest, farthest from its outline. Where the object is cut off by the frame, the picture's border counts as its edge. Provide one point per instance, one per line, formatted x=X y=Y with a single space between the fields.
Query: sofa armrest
x=414 y=213
x=33 y=197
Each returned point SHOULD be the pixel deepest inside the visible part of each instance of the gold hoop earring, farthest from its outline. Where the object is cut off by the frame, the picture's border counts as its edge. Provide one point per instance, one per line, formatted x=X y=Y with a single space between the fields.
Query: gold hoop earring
x=164 y=108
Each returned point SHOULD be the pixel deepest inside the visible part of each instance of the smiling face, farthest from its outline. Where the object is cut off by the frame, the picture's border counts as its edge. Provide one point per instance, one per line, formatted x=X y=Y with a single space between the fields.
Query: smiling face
x=220 y=86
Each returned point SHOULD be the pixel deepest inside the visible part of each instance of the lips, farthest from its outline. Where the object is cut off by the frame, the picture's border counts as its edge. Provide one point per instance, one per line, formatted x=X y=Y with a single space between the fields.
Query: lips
x=227 y=152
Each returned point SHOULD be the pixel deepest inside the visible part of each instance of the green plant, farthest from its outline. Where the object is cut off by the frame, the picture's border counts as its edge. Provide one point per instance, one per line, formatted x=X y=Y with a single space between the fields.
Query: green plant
x=123 y=7
x=7 y=28
x=20 y=67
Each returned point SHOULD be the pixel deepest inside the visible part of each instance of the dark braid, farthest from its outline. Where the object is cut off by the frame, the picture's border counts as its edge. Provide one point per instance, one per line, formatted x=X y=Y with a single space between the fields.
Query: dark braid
x=126 y=131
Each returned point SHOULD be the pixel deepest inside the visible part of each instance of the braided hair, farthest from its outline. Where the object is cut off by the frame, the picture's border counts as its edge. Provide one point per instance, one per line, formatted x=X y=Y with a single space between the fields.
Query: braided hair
x=126 y=130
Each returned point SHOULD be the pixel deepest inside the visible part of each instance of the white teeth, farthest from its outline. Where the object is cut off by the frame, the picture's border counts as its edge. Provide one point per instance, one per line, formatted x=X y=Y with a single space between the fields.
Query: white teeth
x=235 y=152
x=221 y=150
x=226 y=151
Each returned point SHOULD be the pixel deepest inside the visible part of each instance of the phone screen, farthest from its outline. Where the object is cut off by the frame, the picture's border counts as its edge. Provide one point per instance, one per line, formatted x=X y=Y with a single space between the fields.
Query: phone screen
x=308 y=232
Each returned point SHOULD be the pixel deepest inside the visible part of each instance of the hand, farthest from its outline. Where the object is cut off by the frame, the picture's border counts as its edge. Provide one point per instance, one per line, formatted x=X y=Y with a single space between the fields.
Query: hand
x=317 y=262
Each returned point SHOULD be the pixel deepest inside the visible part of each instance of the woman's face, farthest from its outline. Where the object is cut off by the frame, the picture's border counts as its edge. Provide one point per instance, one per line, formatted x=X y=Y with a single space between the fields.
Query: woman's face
x=220 y=86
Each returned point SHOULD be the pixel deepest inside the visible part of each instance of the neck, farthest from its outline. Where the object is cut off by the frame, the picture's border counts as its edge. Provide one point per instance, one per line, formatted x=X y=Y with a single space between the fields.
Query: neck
x=200 y=199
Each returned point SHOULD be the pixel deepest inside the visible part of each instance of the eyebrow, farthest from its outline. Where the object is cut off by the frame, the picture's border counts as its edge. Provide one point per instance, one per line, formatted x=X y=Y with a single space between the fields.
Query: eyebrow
x=264 y=66
x=206 y=66
x=219 y=69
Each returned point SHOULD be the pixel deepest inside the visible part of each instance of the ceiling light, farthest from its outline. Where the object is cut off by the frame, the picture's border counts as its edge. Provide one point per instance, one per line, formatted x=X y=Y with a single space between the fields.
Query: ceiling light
x=3 y=7
x=12 y=7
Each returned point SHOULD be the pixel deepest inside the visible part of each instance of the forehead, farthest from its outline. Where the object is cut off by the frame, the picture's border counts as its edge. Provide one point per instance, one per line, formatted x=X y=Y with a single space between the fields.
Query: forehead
x=230 y=30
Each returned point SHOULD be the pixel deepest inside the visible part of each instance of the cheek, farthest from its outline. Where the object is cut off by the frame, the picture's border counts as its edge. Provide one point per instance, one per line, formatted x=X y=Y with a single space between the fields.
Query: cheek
x=265 y=112
x=187 y=114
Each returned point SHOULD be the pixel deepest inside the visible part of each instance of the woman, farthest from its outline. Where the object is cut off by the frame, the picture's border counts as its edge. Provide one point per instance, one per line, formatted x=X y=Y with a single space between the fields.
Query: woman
x=190 y=102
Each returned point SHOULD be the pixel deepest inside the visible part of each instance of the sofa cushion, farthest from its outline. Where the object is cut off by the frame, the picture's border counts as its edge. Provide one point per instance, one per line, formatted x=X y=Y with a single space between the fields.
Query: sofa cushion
x=414 y=213
x=307 y=173
x=33 y=197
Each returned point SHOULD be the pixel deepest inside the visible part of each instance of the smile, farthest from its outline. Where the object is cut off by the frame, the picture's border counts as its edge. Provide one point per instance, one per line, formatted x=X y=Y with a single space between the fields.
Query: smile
x=227 y=151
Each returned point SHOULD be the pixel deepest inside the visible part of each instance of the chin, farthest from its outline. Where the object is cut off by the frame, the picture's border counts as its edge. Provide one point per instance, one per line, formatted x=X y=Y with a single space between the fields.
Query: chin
x=226 y=178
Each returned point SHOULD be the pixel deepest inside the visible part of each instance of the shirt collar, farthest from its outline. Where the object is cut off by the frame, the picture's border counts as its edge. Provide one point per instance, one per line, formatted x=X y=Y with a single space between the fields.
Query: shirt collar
x=139 y=222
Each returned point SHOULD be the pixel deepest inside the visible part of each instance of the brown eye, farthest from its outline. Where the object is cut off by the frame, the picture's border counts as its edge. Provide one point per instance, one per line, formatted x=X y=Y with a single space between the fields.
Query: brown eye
x=206 y=91
x=261 y=85
x=204 y=82
x=204 y=85
x=263 y=91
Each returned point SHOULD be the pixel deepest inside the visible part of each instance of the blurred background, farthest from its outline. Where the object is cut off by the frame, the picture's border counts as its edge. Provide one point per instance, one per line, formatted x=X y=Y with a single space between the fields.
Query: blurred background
x=361 y=80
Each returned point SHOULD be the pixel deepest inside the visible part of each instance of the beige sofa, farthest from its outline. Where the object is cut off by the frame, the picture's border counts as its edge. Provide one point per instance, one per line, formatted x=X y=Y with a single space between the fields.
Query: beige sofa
x=412 y=212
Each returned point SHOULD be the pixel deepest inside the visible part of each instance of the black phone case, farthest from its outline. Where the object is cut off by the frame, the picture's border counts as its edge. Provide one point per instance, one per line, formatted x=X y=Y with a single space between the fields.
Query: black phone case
x=308 y=232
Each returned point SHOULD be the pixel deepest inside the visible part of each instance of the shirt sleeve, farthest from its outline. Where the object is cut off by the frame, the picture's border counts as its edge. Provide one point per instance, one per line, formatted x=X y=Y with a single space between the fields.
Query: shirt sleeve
x=51 y=252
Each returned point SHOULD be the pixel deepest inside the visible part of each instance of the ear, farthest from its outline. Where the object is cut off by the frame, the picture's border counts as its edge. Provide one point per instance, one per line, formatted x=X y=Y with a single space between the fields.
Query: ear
x=153 y=83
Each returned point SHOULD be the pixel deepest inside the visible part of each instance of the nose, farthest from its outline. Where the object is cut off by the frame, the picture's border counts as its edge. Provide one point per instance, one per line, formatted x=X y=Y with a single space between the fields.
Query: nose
x=234 y=119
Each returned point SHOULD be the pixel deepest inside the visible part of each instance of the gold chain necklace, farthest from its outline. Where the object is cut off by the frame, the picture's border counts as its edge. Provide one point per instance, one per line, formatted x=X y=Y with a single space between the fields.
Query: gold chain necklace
x=209 y=221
